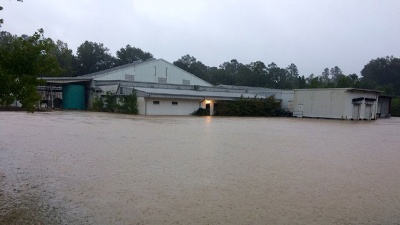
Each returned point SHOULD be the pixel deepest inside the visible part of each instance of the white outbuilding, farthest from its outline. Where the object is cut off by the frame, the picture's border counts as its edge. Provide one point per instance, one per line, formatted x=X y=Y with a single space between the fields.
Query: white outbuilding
x=336 y=103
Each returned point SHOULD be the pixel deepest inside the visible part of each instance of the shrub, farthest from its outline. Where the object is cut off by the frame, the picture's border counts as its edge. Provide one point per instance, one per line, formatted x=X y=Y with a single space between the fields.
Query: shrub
x=250 y=107
x=128 y=104
x=98 y=104
x=201 y=112
x=395 y=110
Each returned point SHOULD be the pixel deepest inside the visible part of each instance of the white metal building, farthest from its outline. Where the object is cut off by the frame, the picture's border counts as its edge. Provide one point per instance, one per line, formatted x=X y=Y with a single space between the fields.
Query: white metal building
x=151 y=71
x=336 y=103
x=167 y=99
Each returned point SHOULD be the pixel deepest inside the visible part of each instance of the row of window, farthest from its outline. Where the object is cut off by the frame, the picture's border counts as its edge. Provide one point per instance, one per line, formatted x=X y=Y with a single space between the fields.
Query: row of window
x=158 y=102
x=161 y=80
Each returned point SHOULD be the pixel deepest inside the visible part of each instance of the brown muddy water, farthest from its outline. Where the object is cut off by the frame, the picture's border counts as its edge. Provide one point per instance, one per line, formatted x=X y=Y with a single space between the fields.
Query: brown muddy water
x=98 y=168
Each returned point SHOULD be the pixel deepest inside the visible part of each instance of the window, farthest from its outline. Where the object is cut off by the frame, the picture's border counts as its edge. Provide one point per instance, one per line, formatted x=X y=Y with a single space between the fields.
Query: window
x=174 y=103
x=186 y=82
x=156 y=102
x=121 y=91
x=129 y=77
x=162 y=80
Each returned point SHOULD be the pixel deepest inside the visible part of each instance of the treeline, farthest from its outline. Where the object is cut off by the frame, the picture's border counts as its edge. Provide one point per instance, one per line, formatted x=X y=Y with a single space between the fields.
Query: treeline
x=380 y=73
x=90 y=56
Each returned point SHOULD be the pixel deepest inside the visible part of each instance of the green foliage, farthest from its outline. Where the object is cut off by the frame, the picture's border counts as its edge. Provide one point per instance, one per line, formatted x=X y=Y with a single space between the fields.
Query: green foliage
x=201 y=112
x=395 y=110
x=98 y=104
x=93 y=57
x=250 y=107
x=22 y=60
x=384 y=74
x=191 y=65
x=66 y=59
x=128 y=104
x=131 y=54
x=110 y=102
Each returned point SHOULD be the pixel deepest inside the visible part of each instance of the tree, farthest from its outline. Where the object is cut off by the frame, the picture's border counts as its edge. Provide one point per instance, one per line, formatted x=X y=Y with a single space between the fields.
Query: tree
x=22 y=60
x=93 y=57
x=278 y=77
x=293 y=76
x=258 y=75
x=66 y=59
x=325 y=76
x=191 y=65
x=131 y=54
x=382 y=73
x=335 y=72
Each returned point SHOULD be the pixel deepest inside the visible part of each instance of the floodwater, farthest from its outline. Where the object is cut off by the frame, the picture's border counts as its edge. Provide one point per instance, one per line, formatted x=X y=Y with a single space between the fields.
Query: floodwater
x=99 y=168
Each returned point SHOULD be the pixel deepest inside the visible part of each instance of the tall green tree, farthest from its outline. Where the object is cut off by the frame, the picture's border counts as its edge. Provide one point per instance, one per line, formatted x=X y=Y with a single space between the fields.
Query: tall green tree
x=258 y=75
x=278 y=77
x=293 y=76
x=65 y=58
x=93 y=57
x=335 y=72
x=382 y=73
x=131 y=54
x=22 y=60
x=193 y=66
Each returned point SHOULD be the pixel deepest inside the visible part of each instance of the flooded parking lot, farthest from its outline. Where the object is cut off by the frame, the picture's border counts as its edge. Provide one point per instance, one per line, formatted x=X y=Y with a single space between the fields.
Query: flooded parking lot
x=99 y=168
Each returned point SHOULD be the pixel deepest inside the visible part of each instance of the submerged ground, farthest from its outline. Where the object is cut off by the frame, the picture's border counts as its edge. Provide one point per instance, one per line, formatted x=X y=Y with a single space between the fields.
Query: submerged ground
x=98 y=168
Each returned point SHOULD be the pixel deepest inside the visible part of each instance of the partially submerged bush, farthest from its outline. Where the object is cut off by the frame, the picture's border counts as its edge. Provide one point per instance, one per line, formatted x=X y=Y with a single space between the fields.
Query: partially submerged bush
x=201 y=112
x=127 y=103
x=250 y=107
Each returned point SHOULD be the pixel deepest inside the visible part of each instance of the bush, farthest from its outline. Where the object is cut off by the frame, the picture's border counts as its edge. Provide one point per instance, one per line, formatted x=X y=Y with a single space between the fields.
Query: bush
x=250 y=107
x=201 y=112
x=129 y=104
x=98 y=104
x=110 y=102
x=395 y=109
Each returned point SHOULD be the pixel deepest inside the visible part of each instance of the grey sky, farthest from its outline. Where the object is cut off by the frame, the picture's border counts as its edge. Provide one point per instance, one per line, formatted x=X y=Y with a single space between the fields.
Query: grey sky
x=313 y=34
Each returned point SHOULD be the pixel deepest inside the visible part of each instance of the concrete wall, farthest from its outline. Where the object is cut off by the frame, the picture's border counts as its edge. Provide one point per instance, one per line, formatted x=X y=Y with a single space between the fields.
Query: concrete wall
x=151 y=71
x=149 y=106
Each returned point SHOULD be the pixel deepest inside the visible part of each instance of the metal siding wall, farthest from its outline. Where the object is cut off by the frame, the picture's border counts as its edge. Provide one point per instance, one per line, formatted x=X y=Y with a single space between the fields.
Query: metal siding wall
x=352 y=95
x=184 y=107
x=145 y=73
x=174 y=74
x=320 y=103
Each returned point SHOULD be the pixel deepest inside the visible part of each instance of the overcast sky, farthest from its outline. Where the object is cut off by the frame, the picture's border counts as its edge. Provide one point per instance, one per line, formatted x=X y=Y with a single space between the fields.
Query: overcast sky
x=313 y=34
